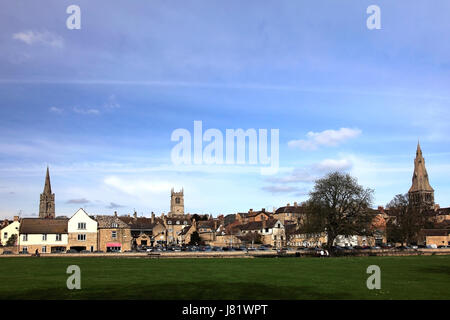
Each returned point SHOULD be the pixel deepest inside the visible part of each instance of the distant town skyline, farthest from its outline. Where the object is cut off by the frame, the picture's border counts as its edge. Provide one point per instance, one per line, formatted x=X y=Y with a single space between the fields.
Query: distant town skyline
x=98 y=105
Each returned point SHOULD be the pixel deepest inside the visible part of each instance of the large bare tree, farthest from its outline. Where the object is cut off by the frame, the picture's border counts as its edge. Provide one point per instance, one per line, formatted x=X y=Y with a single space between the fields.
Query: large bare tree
x=338 y=205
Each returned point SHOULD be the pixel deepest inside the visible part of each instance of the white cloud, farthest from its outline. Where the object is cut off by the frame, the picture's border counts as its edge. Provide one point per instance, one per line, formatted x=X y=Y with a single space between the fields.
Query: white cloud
x=56 y=110
x=86 y=111
x=34 y=37
x=328 y=138
x=136 y=186
x=112 y=102
x=329 y=165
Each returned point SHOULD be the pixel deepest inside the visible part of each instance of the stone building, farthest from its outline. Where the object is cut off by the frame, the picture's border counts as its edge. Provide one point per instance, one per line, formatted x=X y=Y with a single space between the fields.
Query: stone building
x=421 y=194
x=289 y=213
x=47 y=200
x=114 y=235
x=272 y=231
x=144 y=231
x=173 y=227
x=82 y=231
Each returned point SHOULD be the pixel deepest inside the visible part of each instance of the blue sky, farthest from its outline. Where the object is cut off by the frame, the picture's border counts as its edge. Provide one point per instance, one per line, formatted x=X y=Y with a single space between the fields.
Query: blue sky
x=98 y=105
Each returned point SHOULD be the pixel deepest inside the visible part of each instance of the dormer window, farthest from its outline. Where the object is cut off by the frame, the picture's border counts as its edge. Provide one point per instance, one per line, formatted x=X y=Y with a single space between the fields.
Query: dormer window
x=169 y=222
x=178 y=222
x=185 y=222
x=115 y=225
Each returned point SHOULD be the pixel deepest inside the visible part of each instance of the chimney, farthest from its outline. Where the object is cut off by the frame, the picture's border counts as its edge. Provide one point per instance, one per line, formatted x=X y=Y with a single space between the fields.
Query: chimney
x=295 y=204
x=135 y=215
x=153 y=217
x=215 y=225
x=263 y=209
x=16 y=218
x=288 y=205
x=251 y=210
x=263 y=224
x=115 y=213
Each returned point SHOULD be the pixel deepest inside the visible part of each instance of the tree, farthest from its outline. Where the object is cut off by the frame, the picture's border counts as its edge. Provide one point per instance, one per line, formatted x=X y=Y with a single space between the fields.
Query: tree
x=338 y=205
x=406 y=220
x=252 y=237
x=12 y=240
x=195 y=239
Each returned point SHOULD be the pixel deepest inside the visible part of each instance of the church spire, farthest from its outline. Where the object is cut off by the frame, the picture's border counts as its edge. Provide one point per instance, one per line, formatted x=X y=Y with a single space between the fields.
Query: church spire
x=47 y=199
x=47 y=186
x=421 y=192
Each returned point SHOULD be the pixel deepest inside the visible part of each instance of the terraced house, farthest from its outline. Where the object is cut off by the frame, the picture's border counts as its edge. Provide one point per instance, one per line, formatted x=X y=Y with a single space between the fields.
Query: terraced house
x=114 y=235
x=82 y=231
x=43 y=235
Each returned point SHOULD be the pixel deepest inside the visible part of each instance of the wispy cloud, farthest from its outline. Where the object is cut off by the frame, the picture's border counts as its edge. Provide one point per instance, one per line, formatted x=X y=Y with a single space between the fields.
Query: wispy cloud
x=136 y=186
x=35 y=37
x=306 y=175
x=113 y=205
x=328 y=138
x=87 y=111
x=78 y=201
x=280 y=189
x=56 y=110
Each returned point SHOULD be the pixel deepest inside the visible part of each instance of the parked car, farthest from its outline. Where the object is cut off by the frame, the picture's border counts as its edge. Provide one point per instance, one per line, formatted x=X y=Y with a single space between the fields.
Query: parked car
x=71 y=251
x=7 y=252
x=85 y=251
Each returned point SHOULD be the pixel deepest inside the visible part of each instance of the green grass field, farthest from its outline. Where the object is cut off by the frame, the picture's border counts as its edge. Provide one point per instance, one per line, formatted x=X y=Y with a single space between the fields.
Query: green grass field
x=417 y=277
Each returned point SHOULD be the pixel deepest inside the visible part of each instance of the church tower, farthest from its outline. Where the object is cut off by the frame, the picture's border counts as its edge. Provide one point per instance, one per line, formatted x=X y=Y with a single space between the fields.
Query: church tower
x=421 y=194
x=47 y=203
x=176 y=202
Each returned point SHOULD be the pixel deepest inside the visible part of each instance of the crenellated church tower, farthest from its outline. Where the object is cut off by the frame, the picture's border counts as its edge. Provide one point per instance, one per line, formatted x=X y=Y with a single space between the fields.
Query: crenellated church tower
x=176 y=202
x=421 y=194
x=47 y=203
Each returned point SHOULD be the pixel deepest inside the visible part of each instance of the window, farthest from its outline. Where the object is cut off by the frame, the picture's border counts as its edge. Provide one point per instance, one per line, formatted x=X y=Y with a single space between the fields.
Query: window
x=185 y=222
x=169 y=222
x=177 y=200
x=58 y=237
x=25 y=249
x=44 y=249
x=44 y=237
x=114 y=234
x=81 y=225
x=81 y=237
x=115 y=225
x=25 y=238
x=178 y=222
x=5 y=235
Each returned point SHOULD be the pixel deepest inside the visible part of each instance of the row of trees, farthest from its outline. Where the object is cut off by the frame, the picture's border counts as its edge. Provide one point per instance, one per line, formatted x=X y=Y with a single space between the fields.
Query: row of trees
x=338 y=205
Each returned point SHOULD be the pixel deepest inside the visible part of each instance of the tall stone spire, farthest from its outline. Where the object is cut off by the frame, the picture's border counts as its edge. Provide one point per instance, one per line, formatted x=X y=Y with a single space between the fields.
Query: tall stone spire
x=47 y=186
x=47 y=201
x=421 y=194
